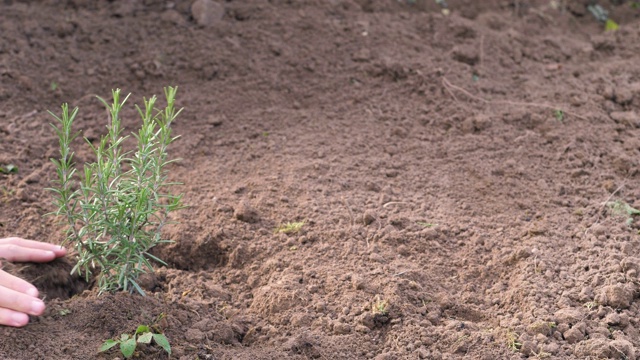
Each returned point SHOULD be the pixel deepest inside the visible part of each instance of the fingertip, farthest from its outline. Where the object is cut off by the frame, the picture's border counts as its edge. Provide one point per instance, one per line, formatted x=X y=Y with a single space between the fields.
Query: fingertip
x=37 y=307
x=32 y=292
x=18 y=320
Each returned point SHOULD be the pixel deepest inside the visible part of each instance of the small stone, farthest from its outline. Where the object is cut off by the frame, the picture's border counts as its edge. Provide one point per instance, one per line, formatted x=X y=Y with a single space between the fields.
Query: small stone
x=581 y=326
x=562 y=328
x=551 y=348
x=222 y=333
x=422 y=353
x=320 y=307
x=577 y=100
x=203 y=325
x=624 y=320
x=568 y=316
x=616 y=296
x=124 y=8
x=384 y=198
x=399 y=132
x=430 y=233
x=624 y=96
x=367 y=320
x=599 y=230
x=368 y=218
x=341 y=329
x=528 y=348
x=194 y=336
x=608 y=93
x=384 y=356
x=148 y=281
x=630 y=263
x=601 y=332
x=372 y=186
x=573 y=335
x=540 y=338
x=629 y=118
x=244 y=212
x=375 y=257
x=358 y=282
x=621 y=346
x=593 y=348
x=361 y=55
x=174 y=17
x=238 y=256
x=207 y=12
x=612 y=319
x=362 y=329
x=301 y=319
x=465 y=54
x=586 y=294
x=215 y=121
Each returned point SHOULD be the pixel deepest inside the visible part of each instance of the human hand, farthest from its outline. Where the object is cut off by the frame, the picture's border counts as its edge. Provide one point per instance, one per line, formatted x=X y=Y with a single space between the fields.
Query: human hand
x=18 y=298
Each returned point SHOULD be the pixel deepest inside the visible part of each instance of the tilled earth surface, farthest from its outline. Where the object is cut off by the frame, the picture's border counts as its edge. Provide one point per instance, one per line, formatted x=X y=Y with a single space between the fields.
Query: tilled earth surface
x=466 y=180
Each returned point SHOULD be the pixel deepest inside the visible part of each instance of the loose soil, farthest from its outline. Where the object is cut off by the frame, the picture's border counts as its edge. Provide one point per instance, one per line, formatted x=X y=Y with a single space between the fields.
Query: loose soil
x=453 y=173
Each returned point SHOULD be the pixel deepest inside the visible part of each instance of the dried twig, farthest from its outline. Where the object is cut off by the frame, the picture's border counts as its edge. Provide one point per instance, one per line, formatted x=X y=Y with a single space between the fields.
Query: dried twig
x=602 y=208
x=449 y=86
x=481 y=56
x=394 y=203
x=346 y=204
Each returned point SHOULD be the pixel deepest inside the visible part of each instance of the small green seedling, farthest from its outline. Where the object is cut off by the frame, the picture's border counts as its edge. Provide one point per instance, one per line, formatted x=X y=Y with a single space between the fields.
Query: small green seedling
x=143 y=335
x=602 y=15
x=559 y=115
x=542 y=354
x=8 y=169
x=611 y=25
x=598 y=12
x=426 y=224
x=6 y=193
x=380 y=306
x=290 y=227
x=512 y=341
x=622 y=208
x=591 y=305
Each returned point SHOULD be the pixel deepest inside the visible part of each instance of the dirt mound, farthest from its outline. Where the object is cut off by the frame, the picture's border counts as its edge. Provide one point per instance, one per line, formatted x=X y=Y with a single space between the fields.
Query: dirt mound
x=461 y=176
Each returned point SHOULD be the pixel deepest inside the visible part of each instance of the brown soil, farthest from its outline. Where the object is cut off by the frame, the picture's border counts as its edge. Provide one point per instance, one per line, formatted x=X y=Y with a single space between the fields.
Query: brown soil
x=425 y=153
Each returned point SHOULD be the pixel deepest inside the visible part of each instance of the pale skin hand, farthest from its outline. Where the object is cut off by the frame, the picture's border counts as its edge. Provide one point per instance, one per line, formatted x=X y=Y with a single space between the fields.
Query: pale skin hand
x=18 y=298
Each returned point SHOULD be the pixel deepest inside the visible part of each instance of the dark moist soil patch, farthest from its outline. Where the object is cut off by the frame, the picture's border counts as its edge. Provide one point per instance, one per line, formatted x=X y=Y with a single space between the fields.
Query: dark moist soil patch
x=452 y=173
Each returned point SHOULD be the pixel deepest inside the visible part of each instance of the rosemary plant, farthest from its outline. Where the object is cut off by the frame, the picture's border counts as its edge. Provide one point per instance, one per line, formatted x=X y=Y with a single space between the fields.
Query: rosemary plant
x=115 y=210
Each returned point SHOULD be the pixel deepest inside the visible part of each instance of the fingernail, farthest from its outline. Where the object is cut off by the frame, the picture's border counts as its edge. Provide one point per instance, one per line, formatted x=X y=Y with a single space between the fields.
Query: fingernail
x=32 y=292
x=37 y=307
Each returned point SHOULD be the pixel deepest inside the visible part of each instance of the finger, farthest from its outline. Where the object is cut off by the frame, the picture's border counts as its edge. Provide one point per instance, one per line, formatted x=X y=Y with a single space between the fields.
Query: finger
x=13 y=252
x=10 y=317
x=21 y=302
x=14 y=283
x=57 y=249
